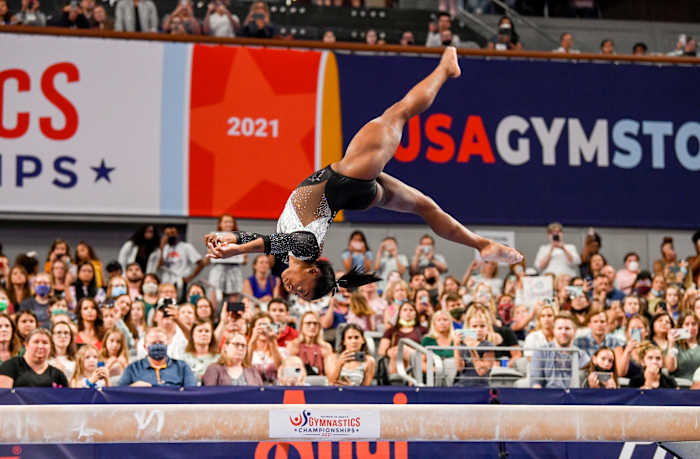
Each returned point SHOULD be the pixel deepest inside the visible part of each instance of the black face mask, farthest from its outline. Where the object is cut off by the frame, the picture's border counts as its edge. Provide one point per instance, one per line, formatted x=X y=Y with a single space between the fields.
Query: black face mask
x=172 y=240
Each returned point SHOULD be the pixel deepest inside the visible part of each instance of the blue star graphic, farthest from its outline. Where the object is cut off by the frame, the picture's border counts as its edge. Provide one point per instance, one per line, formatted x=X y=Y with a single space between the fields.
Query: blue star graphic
x=102 y=172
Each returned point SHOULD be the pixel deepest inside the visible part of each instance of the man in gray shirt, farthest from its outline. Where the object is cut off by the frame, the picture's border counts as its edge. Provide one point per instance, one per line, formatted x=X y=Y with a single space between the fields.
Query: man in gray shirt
x=552 y=367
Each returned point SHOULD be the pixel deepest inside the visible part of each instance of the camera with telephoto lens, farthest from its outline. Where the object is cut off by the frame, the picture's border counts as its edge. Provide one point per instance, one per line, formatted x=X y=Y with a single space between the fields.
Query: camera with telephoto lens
x=556 y=237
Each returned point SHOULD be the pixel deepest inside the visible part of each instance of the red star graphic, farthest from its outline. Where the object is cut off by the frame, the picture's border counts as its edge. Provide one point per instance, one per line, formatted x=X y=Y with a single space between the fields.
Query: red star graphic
x=250 y=176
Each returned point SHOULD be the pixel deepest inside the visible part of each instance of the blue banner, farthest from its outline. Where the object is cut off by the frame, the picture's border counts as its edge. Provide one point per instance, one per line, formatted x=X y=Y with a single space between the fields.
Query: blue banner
x=343 y=450
x=527 y=142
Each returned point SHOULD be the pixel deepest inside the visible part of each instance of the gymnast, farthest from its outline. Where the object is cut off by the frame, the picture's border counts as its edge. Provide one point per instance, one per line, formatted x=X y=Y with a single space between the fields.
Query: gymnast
x=355 y=182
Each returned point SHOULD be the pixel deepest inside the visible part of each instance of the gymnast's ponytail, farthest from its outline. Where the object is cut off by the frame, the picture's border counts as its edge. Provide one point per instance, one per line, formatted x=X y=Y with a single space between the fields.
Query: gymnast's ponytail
x=326 y=282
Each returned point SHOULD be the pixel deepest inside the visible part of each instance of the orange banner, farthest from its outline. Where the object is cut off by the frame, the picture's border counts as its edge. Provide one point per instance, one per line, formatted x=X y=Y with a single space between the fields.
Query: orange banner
x=256 y=119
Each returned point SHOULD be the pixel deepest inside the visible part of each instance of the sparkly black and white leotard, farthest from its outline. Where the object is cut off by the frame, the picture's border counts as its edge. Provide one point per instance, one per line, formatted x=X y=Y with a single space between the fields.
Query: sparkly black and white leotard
x=309 y=211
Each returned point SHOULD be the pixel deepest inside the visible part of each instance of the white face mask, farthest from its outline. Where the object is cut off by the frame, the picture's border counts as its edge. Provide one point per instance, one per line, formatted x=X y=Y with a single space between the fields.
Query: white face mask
x=633 y=266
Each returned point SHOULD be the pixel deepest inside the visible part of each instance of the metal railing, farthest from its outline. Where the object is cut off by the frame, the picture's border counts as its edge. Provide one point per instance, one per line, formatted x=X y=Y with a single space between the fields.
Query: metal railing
x=520 y=369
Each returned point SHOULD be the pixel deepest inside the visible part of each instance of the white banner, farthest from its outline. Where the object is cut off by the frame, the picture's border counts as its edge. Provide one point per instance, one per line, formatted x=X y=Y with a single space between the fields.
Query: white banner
x=324 y=424
x=80 y=125
x=537 y=288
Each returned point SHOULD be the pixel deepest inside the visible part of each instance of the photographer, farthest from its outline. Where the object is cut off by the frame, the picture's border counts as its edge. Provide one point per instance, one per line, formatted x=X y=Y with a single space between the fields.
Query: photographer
x=181 y=21
x=557 y=257
x=263 y=353
x=352 y=366
x=279 y=311
x=219 y=22
x=507 y=39
x=257 y=24
x=72 y=17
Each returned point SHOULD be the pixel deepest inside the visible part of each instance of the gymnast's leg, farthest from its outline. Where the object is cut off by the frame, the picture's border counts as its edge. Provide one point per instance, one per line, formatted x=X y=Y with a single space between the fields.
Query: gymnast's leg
x=375 y=144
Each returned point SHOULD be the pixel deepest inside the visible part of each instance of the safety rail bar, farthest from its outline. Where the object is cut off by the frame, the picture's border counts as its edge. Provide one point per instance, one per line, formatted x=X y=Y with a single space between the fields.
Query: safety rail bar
x=416 y=379
x=435 y=366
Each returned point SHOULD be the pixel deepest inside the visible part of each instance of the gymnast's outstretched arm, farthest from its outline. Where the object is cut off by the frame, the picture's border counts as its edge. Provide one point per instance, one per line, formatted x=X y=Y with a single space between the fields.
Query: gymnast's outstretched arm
x=302 y=244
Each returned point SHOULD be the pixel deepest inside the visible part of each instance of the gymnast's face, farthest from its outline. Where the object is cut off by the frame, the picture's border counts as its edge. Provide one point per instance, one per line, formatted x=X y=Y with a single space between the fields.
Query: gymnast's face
x=300 y=279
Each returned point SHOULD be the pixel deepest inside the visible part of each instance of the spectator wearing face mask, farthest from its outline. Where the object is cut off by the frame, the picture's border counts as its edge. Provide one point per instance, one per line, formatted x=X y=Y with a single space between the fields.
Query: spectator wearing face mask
x=177 y=262
x=624 y=279
x=157 y=369
x=425 y=255
x=507 y=38
x=39 y=303
x=357 y=255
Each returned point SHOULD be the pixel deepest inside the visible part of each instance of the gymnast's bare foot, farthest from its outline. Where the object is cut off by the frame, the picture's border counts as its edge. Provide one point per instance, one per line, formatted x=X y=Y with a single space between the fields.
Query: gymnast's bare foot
x=450 y=62
x=501 y=253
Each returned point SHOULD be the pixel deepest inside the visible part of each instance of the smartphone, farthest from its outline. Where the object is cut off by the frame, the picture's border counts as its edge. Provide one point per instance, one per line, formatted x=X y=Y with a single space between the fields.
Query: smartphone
x=235 y=306
x=100 y=364
x=58 y=311
x=360 y=356
x=425 y=249
x=574 y=291
x=636 y=334
x=674 y=269
x=603 y=376
x=681 y=333
x=468 y=333
x=258 y=16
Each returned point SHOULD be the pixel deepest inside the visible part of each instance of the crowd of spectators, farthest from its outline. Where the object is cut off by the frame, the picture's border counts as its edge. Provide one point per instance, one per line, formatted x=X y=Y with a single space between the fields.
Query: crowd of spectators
x=149 y=318
x=219 y=21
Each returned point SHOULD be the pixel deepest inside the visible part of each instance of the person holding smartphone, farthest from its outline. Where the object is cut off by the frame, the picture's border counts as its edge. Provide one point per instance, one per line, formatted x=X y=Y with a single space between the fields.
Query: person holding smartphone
x=263 y=353
x=557 y=257
x=474 y=367
x=626 y=356
x=600 y=373
x=352 y=366
x=689 y=351
x=257 y=24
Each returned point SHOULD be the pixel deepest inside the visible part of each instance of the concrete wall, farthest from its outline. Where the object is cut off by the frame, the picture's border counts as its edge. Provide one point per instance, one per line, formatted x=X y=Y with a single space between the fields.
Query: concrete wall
x=21 y=235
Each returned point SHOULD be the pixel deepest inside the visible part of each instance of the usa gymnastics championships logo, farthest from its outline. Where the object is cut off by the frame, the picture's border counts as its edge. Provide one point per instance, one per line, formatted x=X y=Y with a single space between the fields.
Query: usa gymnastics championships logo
x=301 y=420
